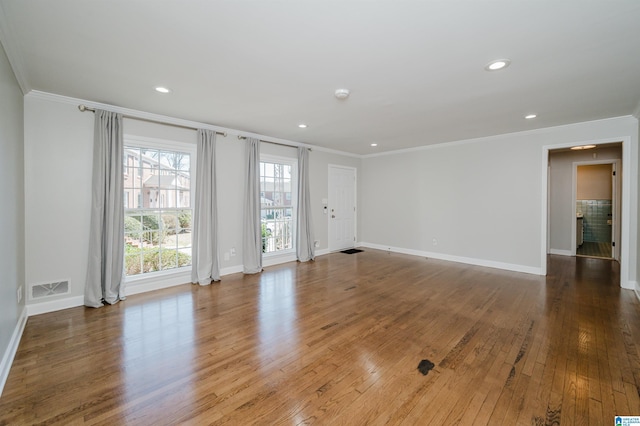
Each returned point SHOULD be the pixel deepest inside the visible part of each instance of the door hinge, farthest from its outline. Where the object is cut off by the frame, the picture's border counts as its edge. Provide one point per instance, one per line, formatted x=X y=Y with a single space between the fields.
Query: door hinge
x=614 y=172
x=613 y=243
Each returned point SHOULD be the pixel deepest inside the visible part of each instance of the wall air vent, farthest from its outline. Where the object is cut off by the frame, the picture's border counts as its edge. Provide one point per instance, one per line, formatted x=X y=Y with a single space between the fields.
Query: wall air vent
x=39 y=291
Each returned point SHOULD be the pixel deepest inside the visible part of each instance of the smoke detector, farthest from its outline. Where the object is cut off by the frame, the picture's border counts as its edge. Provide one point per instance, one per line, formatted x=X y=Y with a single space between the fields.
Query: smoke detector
x=342 y=93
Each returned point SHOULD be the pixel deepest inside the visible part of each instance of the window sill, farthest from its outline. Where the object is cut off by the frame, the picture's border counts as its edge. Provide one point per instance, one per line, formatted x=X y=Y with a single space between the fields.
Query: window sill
x=157 y=280
x=270 y=259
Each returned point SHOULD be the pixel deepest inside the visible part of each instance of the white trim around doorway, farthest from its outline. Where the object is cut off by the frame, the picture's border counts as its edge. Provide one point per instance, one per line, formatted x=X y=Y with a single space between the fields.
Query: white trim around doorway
x=625 y=279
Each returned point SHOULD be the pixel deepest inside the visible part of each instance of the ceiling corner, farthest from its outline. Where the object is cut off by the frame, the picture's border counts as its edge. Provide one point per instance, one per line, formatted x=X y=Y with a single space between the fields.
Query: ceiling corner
x=636 y=111
x=15 y=59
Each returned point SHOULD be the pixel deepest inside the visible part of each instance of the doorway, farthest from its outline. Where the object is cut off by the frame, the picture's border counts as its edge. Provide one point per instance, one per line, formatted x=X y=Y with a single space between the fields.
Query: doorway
x=342 y=208
x=596 y=207
x=558 y=212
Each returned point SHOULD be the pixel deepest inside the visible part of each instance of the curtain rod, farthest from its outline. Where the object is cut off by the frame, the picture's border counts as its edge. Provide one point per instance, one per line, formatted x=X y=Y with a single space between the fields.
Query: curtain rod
x=84 y=108
x=273 y=143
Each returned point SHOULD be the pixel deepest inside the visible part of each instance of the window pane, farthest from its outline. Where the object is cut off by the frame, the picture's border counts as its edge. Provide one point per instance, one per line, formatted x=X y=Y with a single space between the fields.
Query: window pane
x=151 y=261
x=268 y=169
x=170 y=221
x=132 y=263
x=184 y=217
x=185 y=163
x=158 y=215
x=277 y=220
x=184 y=199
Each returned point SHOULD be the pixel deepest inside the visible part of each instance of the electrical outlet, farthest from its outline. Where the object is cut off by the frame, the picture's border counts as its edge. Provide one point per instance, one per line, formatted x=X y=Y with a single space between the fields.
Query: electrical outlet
x=19 y=294
x=435 y=242
x=232 y=251
x=316 y=243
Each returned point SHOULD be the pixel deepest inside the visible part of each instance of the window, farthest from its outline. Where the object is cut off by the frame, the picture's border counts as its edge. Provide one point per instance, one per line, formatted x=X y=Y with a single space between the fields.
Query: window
x=277 y=206
x=158 y=208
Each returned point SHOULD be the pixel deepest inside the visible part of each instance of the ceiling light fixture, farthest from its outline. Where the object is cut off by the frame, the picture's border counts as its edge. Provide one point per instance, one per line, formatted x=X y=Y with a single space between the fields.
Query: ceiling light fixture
x=578 y=148
x=374 y=144
x=342 y=93
x=302 y=126
x=162 y=89
x=530 y=116
x=497 y=64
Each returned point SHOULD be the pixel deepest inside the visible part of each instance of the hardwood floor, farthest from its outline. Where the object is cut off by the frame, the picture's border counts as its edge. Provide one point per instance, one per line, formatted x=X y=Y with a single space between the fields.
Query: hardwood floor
x=338 y=341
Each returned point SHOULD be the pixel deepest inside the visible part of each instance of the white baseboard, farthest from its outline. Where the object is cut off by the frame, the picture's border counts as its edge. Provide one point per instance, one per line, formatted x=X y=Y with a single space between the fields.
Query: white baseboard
x=635 y=286
x=561 y=252
x=460 y=259
x=12 y=349
x=54 y=305
x=146 y=284
x=230 y=270
x=322 y=252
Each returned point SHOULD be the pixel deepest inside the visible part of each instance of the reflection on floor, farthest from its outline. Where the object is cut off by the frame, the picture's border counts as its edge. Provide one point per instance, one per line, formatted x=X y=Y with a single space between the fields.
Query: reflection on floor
x=589 y=248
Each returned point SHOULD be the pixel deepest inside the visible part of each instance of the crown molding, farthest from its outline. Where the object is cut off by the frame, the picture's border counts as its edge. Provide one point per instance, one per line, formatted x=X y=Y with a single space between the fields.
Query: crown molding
x=143 y=115
x=501 y=136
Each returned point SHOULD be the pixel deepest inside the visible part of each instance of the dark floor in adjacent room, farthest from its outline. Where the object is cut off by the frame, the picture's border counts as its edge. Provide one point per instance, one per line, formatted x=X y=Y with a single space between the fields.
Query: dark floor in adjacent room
x=594 y=249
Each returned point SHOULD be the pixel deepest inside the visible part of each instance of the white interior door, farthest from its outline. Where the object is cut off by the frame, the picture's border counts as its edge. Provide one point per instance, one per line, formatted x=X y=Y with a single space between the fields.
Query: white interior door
x=342 y=208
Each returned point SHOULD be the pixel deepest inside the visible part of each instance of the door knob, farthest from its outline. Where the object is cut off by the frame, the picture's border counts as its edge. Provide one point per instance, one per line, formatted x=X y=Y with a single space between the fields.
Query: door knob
x=333 y=216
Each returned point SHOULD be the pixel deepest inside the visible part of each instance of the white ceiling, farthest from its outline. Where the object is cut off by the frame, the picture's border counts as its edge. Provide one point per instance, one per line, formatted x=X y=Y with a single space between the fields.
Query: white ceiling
x=415 y=68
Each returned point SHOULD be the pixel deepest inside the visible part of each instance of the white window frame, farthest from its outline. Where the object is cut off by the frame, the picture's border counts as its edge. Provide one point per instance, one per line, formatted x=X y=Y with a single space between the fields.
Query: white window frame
x=159 y=279
x=293 y=162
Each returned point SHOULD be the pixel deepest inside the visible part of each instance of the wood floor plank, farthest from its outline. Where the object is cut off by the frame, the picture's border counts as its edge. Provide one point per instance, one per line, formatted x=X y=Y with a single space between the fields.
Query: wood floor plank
x=338 y=341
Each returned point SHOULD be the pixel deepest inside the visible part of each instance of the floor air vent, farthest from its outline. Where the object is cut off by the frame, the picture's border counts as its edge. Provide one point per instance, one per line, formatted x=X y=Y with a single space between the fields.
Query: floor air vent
x=50 y=289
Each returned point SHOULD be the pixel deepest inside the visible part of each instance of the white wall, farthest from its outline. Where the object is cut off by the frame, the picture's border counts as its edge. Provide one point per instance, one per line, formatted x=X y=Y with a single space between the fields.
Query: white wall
x=482 y=199
x=637 y=257
x=58 y=155
x=561 y=208
x=11 y=213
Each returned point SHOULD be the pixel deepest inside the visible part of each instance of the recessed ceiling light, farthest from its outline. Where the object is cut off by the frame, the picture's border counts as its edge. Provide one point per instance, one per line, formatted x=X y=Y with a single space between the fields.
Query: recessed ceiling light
x=530 y=116
x=302 y=126
x=578 y=148
x=342 y=93
x=162 y=89
x=374 y=144
x=498 y=64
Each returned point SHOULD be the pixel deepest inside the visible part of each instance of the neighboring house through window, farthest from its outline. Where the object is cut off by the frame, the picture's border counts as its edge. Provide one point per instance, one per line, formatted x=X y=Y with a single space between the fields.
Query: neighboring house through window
x=158 y=206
